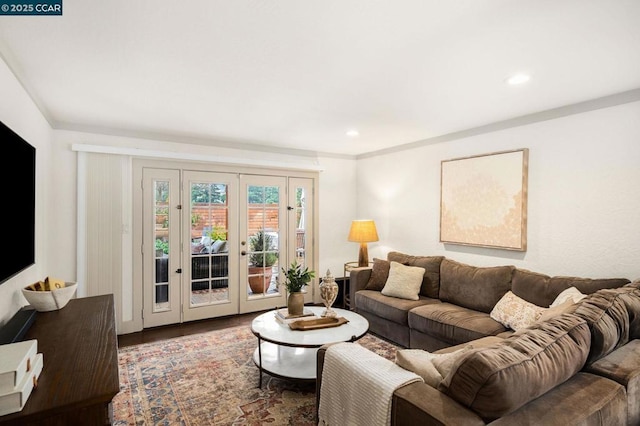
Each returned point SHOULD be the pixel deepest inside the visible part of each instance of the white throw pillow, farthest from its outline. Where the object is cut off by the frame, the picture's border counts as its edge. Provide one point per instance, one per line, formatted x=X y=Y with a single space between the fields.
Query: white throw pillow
x=515 y=312
x=570 y=293
x=404 y=281
x=433 y=368
x=219 y=246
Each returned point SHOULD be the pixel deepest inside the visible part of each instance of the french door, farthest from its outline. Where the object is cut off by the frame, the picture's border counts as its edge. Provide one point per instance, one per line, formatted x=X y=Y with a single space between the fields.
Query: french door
x=263 y=246
x=220 y=241
x=210 y=245
x=161 y=235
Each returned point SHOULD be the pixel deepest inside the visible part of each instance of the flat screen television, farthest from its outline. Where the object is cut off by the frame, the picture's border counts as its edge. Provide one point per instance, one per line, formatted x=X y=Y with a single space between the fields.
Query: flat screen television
x=18 y=216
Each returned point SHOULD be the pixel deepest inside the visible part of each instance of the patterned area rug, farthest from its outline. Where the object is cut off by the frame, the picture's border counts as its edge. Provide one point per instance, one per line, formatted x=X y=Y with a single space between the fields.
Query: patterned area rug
x=210 y=379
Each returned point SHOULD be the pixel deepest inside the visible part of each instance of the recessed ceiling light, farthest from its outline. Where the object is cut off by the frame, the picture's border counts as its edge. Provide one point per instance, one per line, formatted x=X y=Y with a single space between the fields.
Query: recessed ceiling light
x=518 y=79
x=353 y=133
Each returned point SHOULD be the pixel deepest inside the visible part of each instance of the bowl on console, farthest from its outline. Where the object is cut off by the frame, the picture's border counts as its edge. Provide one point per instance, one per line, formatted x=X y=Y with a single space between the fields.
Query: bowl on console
x=45 y=301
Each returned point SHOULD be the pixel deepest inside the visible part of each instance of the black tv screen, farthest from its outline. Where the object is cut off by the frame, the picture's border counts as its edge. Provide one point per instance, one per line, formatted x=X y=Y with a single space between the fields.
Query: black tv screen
x=19 y=214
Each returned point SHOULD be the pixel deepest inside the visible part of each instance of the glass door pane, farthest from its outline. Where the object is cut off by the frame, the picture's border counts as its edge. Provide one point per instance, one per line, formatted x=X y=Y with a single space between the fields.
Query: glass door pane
x=263 y=226
x=209 y=247
x=300 y=229
x=161 y=300
x=300 y=219
x=264 y=241
x=210 y=250
x=161 y=241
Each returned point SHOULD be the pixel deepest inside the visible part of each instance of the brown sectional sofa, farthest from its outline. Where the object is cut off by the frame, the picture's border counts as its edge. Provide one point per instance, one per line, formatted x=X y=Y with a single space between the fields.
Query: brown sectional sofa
x=581 y=367
x=455 y=299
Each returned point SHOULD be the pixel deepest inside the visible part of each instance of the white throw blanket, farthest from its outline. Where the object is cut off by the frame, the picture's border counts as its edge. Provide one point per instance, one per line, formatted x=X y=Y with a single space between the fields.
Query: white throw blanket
x=357 y=386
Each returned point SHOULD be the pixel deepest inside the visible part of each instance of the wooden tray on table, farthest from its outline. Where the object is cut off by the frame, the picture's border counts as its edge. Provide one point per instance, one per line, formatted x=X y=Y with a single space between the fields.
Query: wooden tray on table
x=317 y=323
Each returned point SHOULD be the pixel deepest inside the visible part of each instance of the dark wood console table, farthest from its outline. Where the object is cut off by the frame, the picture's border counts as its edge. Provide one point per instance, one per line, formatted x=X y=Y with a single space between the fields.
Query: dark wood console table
x=80 y=375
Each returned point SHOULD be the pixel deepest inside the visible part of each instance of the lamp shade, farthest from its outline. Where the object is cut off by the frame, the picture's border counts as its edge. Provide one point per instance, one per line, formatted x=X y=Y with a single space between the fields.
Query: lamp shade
x=363 y=231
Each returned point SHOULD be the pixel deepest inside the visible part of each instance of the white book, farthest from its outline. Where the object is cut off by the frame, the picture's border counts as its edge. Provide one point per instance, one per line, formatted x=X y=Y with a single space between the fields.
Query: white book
x=15 y=400
x=282 y=315
x=15 y=363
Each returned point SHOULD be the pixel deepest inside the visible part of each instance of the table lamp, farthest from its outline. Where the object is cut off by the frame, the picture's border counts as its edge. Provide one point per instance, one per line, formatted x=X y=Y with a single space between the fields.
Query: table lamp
x=363 y=232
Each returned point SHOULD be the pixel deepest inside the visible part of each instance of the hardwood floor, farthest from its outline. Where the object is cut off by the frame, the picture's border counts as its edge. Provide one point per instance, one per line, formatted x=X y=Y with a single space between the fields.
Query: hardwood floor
x=176 y=330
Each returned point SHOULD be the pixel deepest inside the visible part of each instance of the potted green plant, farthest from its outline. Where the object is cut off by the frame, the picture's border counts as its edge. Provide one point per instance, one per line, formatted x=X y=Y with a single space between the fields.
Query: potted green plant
x=162 y=247
x=261 y=261
x=296 y=278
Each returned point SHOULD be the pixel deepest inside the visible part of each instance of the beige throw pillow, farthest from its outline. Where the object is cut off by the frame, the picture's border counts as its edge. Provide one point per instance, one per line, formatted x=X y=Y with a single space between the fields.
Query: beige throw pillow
x=433 y=368
x=444 y=362
x=404 y=281
x=515 y=312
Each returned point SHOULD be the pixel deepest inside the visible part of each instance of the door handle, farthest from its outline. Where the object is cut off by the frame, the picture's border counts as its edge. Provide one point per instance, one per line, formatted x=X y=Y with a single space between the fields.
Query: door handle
x=244 y=253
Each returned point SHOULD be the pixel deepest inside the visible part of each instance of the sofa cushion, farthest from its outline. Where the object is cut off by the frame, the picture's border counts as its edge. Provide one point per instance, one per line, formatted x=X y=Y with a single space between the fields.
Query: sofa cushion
x=515 y=313
x=453 y=324
x=623 y=366
x=587 y=285
x=389 y=308
x=473 y=287
x=542 y=289
x=634 y=284
x=533 y=287
x=499 y=379
x=431 y=264
x=584 y=399
x=403 y=281
x=630 y=297
x=631 y=300
x=379 y=274
x=608 y=320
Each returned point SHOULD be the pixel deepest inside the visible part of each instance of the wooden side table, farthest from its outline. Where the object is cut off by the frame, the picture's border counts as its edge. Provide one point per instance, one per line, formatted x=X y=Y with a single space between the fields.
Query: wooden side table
x=348 y=266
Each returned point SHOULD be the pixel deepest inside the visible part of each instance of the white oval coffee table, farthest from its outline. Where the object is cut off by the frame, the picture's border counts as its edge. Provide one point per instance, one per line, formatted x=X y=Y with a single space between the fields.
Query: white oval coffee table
x=291 y=354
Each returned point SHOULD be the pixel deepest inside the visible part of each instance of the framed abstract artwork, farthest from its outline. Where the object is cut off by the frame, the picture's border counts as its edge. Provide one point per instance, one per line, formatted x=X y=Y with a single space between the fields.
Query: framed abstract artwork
x=483 y=200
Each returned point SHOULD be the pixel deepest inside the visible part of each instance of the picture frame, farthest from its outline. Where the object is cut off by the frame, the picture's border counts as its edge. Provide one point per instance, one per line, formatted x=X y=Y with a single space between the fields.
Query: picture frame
x=483 y=200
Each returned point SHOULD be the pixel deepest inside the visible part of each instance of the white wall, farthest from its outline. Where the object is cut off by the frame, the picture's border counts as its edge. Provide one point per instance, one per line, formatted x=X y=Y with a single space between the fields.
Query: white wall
x=583 y=204
x=19 y=113
x=337 y=210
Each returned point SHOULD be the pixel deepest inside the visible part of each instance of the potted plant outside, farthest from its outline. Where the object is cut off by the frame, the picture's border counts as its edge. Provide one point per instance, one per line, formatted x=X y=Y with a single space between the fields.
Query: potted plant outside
x=261 y=261
x=296 y=278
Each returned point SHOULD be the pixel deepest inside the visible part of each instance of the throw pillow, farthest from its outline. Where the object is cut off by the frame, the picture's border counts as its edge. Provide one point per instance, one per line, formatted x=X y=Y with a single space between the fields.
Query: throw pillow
x=431 y=367
x=379 y=275
x=444 y=362
x=419 y=362
x=571 y=293
x=219 y=246
x=515 y=312
x=566 y=307
x=196 y=248
x=404 y=281
x=431 y=264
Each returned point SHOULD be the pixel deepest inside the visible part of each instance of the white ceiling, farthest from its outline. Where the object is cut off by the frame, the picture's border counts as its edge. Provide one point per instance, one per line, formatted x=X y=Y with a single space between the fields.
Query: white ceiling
x=300 y=73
